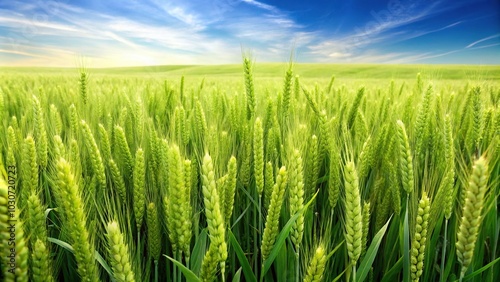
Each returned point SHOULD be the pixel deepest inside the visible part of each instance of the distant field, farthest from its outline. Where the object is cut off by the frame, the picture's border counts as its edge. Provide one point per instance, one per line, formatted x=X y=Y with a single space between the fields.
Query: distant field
x=353 y=71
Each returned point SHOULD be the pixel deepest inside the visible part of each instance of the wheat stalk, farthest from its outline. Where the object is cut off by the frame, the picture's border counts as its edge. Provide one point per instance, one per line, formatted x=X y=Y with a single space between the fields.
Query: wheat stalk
x=364 y=158
x=272 y=219
x=471 y=214
x=313 y=165
x=249 y=87
x=59 y=148
x=55 y=118
x=35 y=224
x=41 y=264
x=287 y=92
x=269 y=183
x=405 y=158
x=40 y=133
x=353 y=213
x=119 y=254
x=117 y=179
x=74 y=215
x=296 y=197
x=317 y=265
x=186 y=209
x=154 y=236
x=95 y=154
x=230 y=188
x=22 y=253
x=83 y=85
x=123 y=149
x=353 y=111
x=258 y=155
x=73 y=121
x=139 y=188
x=420 y=238
x=366 y=225
x=29 y=170
x=105 y=145
x=217 y=253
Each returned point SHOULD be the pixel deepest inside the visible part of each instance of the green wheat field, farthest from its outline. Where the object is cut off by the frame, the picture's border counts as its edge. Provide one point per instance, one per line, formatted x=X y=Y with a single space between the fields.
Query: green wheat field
x=250 y=172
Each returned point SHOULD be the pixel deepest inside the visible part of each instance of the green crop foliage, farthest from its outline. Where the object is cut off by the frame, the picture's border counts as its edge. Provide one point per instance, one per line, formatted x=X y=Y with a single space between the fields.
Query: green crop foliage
x=246 y=173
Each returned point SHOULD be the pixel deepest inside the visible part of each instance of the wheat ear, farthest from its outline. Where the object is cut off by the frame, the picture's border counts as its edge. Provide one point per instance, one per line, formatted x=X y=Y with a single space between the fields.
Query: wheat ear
x=119 y=254
x=272 y=219
x=471 y=213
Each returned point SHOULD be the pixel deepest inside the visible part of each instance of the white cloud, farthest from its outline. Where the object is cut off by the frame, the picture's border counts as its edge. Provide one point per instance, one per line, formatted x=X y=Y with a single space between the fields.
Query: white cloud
x=261 y=5
x=32 y=25
x=485 y=46
x=482 y=40
x=339 y=55
x=180 y=13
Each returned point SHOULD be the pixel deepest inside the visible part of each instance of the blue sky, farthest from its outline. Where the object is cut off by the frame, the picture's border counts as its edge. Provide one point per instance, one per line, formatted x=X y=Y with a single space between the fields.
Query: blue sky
x=157 y=32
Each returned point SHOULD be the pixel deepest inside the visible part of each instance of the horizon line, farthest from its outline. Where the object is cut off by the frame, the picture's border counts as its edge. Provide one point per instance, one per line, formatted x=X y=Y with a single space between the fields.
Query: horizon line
x=255 y=63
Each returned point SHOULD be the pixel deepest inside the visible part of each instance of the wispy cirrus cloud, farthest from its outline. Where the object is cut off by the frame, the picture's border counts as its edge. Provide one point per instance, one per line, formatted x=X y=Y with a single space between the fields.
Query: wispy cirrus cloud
x=370 y=40
x=385 y=26
x=471 y=46
x=482 y=40
x=261 y=5
x=174 y=32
